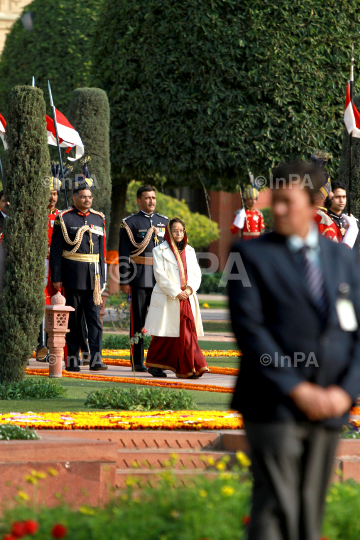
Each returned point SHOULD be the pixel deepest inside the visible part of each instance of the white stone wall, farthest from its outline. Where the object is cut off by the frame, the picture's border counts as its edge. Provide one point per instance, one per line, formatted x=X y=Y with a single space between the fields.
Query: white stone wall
x=10 y=10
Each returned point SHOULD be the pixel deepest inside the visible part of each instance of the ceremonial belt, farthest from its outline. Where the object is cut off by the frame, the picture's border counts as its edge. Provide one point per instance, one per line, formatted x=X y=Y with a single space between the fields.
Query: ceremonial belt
x=251 y=233
x=142 y=260
x=82 y=257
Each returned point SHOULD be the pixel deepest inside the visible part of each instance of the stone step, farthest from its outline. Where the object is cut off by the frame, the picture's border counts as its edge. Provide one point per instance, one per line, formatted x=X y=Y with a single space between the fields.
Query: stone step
x=162 y=459
x=150 y=478
x=154 y=439
x=350 y=468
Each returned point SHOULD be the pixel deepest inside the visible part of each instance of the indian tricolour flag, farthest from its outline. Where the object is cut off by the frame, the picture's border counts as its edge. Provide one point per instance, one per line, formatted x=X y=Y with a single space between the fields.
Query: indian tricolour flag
x=3 y=131
x=68 y=136
x=351 y=115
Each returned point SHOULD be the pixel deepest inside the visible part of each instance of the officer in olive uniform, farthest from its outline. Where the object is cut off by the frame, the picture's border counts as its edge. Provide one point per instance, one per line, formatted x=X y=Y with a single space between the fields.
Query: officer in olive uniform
x=139 y=234
x=77 y=262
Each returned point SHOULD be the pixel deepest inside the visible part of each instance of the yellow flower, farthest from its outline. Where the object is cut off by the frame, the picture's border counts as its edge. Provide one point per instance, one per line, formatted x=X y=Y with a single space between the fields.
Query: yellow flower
x=202 y=493
x=87 y=510
x=39 y=474
x=124 y=497
x=52 y=472
x=130 y=482
x=205 y=305
x=135 y=465
x=221 y=466
x=243 y=460
x=31 y=480
x=227 y=490
x=23 y=495
x=211 y=461
x=226 y=475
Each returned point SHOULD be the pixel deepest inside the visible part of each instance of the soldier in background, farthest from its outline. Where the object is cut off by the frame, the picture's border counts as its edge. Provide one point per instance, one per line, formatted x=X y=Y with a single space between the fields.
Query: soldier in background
x=139 y=234
x=77 y=262
x=251 y=221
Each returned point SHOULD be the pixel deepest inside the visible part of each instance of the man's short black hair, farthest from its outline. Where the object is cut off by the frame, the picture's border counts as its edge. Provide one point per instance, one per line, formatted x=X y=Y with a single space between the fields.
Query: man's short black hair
x=1 y=193
x=141 y=190
x=308 y=176
x=337 y=185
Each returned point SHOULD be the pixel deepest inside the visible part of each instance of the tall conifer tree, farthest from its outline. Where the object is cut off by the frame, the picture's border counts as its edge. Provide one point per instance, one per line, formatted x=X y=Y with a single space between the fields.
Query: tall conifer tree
x=27 y=165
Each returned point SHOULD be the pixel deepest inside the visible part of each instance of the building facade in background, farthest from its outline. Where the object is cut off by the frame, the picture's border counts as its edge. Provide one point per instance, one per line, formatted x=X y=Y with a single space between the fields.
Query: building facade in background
x=10 y=10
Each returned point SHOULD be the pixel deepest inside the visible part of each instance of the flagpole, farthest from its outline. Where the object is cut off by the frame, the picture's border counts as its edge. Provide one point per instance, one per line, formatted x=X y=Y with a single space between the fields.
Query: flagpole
x=351 y=85
x=58 y=144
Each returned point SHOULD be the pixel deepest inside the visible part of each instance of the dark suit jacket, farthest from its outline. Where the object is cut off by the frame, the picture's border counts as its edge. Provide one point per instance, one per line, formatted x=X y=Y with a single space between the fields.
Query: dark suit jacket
x=277 y=316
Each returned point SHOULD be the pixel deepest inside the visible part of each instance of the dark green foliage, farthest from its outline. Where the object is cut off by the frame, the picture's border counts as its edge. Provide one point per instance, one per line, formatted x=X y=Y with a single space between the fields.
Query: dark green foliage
x=140 y=399
x=268 y=218
x=210 y=284
x=27 y=163
x=58 y=48
x=16 y=433
x=89 y=113
x=343 y=175
x=121 y=342
x=215 y=89
x=30 y=389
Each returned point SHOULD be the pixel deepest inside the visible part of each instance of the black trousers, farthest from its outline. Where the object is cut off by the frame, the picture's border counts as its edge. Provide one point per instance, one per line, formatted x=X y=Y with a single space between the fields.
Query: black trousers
x=140 y=302
x=291 y=465
x=83 y=302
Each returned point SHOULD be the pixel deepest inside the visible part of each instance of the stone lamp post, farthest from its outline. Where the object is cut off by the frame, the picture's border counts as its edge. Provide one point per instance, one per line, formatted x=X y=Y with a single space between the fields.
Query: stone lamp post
x=57 y=318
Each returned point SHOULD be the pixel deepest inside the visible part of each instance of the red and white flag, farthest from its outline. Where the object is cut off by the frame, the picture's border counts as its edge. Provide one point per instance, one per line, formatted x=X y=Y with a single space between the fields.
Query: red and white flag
x=68 y=136
x=3 y=131
x=351 y=115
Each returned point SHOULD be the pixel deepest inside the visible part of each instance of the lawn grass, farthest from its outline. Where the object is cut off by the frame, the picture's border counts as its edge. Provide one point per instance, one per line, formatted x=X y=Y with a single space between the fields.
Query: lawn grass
x=214 y=326
x=78 y=389
x=215 y=304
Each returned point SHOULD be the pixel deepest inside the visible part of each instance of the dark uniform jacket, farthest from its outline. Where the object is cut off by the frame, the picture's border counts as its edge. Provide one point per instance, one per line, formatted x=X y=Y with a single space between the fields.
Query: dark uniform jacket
x=274 y=315
x=139 y=275
x=78 y=274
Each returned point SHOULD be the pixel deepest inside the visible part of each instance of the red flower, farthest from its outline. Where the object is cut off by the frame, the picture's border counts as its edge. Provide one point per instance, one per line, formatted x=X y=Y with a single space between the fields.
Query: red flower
x=18 y=529
x=143 y=331
x=8 y=537
x=31 y=526
x=59 y=531
x=246 y=520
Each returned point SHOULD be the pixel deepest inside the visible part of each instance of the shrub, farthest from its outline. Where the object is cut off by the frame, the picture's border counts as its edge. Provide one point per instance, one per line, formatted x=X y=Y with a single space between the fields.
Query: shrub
x=13 y=433
x=31 y=389
x=27 y=162
x=210 y=284
x=140 y=399
x=122 y=342
x=89 y=113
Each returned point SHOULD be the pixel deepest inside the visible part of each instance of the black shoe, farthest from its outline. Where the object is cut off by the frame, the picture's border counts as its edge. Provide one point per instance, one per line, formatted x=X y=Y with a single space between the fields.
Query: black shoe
x=75 y=369
x=141 y=368
x=157 y=372
x=99 y=367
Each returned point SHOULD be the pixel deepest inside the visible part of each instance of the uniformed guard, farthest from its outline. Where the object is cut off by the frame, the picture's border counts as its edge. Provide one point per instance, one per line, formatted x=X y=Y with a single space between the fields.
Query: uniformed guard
x=77 y=262
x=54 y=187
x=341 y=220
x=139 y=234
x=251 y=223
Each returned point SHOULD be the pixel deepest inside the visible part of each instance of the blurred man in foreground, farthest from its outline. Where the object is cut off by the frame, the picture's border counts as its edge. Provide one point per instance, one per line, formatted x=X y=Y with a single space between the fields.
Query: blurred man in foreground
x=296 y=322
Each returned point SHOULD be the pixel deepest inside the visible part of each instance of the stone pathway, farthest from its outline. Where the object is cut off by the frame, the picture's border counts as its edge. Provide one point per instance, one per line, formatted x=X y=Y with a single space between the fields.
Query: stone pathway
x=120 y=371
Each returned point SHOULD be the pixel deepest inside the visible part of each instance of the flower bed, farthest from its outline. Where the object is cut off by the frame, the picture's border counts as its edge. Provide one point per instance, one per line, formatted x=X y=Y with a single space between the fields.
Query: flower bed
x=167 y=420
x=138 y=381
x=210 y=354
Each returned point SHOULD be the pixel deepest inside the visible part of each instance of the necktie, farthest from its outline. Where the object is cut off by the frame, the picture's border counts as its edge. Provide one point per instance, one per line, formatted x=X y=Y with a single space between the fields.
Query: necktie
x=314 y=280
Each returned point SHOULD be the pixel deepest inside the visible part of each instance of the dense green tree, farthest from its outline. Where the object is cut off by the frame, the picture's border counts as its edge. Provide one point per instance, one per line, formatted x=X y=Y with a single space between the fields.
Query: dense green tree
x=58 y=48
x=206 y=90
x=25 y=233
x=89 y=113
